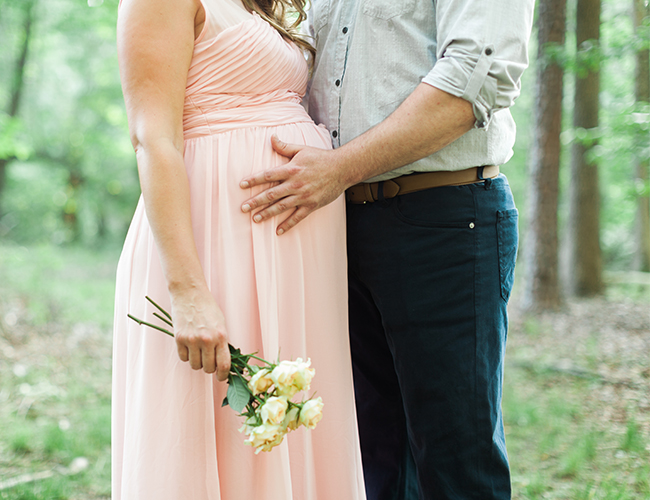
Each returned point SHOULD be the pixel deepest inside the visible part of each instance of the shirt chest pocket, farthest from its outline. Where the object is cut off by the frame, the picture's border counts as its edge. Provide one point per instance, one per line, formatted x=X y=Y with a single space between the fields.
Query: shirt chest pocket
x=387 y=9
x=321 y=10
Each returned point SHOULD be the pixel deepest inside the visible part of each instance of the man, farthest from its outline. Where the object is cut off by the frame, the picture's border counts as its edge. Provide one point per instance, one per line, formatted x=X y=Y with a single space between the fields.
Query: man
x=415 y=95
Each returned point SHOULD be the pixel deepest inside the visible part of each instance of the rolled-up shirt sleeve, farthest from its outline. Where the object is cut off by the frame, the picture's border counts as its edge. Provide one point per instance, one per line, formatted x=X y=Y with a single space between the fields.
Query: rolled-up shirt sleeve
x=482 y=51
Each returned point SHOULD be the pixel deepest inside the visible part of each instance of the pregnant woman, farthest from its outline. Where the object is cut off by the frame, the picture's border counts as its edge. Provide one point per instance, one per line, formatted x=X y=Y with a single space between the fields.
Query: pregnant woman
x=207 y=83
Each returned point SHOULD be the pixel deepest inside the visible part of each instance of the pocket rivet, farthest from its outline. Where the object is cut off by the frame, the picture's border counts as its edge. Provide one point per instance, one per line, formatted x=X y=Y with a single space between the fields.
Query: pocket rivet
x=471 y=225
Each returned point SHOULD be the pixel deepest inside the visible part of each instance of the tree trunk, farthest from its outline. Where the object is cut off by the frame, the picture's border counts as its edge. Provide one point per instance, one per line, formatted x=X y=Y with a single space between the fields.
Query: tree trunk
x=584 y=271
x=17 y=86
x=642 y=165
x=71 y=209
x=541 y=289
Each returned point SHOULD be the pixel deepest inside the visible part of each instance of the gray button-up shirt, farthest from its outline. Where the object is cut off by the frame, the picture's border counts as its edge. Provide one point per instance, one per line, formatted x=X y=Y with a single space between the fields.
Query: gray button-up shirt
x=371 y=54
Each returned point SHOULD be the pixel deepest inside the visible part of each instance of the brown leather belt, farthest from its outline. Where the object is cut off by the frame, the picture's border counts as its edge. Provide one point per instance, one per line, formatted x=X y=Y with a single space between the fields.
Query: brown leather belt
x=367 y=192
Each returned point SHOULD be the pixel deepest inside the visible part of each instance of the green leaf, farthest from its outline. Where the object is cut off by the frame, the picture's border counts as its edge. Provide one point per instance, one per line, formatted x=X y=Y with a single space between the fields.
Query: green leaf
x=224 y=402
x=237 y=395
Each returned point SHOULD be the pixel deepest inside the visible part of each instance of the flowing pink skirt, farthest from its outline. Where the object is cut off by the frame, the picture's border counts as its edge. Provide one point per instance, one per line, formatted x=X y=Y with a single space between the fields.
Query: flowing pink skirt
x=172 y=440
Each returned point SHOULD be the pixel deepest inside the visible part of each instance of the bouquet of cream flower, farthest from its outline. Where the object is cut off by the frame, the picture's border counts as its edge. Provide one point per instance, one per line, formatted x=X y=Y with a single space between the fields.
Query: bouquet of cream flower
x=263 y=393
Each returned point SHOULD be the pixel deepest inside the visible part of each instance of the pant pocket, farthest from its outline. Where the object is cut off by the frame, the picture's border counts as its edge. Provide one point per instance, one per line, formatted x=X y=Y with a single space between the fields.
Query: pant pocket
x=507 y=241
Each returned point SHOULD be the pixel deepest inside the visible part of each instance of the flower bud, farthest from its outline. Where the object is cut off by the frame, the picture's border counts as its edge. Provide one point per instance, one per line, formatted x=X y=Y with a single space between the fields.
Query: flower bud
x=291 y=419
x=260 y=382
x=311 y=413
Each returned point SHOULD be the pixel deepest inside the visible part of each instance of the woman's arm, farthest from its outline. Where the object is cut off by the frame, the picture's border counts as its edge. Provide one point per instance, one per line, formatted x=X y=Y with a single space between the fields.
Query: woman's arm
x=155 y=41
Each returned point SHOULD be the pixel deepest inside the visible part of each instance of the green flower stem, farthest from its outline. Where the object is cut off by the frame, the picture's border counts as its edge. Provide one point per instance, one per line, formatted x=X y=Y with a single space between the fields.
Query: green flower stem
x=158 y=307
x=259 y=359
x=163 y=319
x=150 y=325
x=239 y=362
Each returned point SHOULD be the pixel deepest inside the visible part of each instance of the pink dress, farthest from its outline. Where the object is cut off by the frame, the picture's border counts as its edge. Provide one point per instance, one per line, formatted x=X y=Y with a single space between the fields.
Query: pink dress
x=172 y=440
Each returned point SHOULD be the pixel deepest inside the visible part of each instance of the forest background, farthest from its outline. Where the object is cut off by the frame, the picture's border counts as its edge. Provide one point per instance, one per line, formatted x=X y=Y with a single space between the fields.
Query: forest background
x=576 y=404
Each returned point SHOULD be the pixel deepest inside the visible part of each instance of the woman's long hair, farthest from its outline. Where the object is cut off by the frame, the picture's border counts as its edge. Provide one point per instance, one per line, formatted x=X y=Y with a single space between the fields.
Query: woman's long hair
x=285 y=16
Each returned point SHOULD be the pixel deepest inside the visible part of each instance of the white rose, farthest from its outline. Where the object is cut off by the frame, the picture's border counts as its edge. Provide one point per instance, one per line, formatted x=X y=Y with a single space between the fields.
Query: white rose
x=291 y=419
x=290 y=377
x=266 y=436
x=260 y=382
x=283 y=376
x=305 y=375
x=311 y=413
x=273 y=410
x=248 y=426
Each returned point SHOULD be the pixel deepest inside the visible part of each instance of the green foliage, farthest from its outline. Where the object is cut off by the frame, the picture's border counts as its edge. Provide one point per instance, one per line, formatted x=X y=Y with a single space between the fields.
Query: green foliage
x=50 y=489
x=633 y=440
x=56 y=307
x=75 y=178
x=622 y=137
x=579 y=455
x=13 y=143
x=70 y=295
x=75 y=133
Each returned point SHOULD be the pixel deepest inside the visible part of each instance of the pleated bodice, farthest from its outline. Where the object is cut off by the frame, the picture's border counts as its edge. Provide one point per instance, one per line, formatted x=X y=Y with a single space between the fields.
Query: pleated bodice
x=245 y=74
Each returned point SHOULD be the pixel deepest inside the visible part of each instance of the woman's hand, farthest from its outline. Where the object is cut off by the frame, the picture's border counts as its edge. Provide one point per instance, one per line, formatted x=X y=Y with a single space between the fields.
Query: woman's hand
x=200 y=331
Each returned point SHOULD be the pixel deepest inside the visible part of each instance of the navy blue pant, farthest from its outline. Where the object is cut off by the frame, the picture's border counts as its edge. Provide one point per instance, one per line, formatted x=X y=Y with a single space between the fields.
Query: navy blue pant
x=430 y=275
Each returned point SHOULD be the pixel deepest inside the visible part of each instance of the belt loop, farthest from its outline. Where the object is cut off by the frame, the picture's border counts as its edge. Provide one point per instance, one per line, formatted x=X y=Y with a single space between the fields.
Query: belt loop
x=380 y=191
x=479 y=173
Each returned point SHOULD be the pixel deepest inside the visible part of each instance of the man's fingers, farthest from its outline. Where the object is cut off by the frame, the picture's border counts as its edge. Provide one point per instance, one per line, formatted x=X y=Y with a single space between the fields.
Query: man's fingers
x=284 y=149
x=271 y=175
x=223 y=361
x=275 y=174
x=268 y=197
x=300 y=214
x=264 y=198
x=282 y=206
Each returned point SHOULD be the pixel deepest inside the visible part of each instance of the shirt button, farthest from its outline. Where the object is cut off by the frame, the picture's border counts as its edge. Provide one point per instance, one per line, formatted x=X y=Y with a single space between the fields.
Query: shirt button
x=335 y=134
x=345 y=30
x=337 y=82
x=488 y=51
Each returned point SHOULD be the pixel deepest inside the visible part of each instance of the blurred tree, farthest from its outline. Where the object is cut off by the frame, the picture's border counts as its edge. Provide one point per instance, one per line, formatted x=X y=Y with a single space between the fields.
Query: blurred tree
x=642 y=160
x=584 y=271
x=72 y=114
x=541 y=286
x=17 y=83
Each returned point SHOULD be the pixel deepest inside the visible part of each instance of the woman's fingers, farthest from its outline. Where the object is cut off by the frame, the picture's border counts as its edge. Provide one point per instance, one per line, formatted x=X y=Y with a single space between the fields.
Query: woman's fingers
x=183 y=352
x=223 y=361
x=200 y=333
x=195 y=357
x=208 y=359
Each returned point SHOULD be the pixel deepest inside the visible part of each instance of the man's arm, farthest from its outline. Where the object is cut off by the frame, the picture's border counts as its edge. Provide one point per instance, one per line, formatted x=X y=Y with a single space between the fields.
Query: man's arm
x=427 y=121
x=481 y=54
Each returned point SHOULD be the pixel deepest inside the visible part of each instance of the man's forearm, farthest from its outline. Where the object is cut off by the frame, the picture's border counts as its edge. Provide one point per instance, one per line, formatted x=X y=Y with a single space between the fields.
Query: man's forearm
x=427 y=121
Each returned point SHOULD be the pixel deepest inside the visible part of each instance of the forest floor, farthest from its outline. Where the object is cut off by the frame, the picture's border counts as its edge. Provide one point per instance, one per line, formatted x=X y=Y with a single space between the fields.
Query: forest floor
x=576 y=400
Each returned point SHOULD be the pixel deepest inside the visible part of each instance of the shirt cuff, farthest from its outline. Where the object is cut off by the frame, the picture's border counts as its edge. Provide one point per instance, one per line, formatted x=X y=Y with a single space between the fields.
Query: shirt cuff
x=467 y=76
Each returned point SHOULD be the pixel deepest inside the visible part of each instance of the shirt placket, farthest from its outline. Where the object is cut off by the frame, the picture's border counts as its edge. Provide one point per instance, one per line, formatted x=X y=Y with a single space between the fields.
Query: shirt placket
x=344 y=21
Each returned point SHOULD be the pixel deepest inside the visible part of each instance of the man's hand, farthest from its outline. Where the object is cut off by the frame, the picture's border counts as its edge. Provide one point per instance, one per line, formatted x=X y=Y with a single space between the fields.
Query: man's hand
x=308 y=182
x=427 y=121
